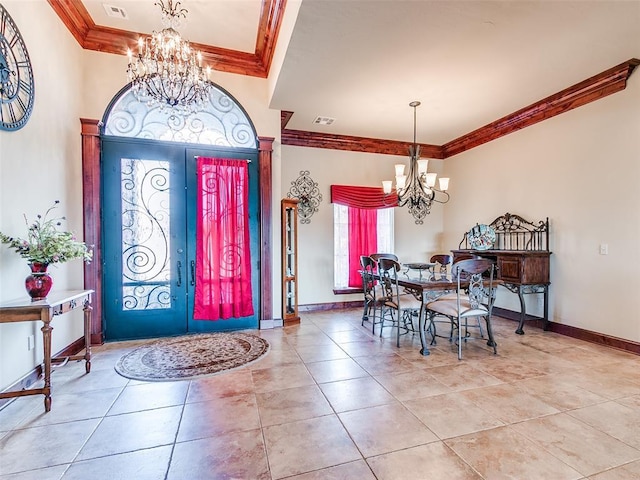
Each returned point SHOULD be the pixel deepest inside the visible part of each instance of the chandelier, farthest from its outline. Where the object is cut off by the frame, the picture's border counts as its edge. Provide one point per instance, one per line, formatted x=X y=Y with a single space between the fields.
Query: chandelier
x=417 y=189
x=166 y=71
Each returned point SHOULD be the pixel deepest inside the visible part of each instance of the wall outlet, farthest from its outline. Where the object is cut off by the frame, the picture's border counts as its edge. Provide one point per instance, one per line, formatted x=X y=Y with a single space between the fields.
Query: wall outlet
x=604 y=249
x=31 y=342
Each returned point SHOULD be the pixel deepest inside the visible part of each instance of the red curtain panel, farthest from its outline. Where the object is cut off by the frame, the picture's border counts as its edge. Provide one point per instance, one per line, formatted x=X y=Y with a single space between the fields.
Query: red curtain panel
x=363 y=240
x=223 y=258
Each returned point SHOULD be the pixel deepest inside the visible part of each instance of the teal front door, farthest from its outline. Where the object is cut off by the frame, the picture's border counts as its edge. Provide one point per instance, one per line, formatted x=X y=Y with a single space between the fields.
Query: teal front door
x=149 y=225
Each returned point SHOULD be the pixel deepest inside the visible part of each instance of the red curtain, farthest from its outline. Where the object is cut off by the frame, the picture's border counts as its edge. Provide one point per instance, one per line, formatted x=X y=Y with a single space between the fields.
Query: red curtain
x=363 y=197
x=363 y=240
x=223 y=258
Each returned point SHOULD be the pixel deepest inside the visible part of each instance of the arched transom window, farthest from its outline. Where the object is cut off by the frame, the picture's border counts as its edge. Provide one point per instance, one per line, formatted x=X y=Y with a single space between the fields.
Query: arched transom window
x=221 y=121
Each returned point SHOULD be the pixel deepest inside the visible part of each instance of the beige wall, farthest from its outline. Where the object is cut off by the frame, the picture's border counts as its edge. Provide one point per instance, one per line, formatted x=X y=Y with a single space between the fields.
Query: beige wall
x=39 y=164
x=315 y=240
x=581 y=169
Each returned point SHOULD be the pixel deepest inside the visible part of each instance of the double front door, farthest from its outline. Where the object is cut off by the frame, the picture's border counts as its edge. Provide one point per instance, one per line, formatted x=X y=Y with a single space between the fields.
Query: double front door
x=149 y=238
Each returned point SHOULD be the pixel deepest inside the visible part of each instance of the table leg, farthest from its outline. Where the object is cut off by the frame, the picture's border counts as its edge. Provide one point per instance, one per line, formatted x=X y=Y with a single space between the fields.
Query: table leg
x=422 y=326
x=523 y=311
x=46 y=339
x=87 y=334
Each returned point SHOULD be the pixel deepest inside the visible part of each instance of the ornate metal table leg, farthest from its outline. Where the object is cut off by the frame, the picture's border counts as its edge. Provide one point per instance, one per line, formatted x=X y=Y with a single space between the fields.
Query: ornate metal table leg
x=46 y=338
x=422 y=325
x=87 y=334
x=523 y=311
x=546 y=307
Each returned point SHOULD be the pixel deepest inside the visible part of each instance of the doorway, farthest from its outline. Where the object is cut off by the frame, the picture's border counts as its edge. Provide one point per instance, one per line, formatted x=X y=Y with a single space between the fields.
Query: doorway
x=149 y=239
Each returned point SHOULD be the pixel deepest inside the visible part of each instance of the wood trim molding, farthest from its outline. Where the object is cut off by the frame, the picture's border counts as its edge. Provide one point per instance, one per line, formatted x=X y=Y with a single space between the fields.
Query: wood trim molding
x=569 y=331
x=587 y=91
x=285 y=116
x=112 y=40
x=301 y=138
x=90 y=132
x=265 y=153
x=316 y=307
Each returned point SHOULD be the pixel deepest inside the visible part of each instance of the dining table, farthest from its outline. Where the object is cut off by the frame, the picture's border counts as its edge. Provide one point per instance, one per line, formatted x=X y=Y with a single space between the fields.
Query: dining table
x=426 y=285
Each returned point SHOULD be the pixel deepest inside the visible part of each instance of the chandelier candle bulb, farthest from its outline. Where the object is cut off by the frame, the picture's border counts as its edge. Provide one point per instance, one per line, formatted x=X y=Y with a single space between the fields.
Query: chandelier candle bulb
x=386 y=186
x=399 y=169
x=444 y=184
x=431 y=179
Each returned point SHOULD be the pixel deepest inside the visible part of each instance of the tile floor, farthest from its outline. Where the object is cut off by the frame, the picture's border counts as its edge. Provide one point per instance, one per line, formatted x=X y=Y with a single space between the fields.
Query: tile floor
x=332 y=401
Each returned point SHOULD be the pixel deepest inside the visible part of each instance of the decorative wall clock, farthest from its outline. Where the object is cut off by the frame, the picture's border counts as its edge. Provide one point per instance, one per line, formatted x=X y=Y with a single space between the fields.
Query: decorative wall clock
x=17 y=88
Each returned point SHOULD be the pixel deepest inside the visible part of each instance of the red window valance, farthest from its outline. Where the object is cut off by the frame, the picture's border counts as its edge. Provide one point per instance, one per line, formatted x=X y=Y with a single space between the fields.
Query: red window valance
x=363 y=197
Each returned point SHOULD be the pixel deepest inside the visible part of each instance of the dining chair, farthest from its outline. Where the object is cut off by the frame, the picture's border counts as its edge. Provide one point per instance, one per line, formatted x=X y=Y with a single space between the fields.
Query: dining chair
x=397 y=306
x=372 y=291
x=441 y=262
x=472 y=301
x=378 y=256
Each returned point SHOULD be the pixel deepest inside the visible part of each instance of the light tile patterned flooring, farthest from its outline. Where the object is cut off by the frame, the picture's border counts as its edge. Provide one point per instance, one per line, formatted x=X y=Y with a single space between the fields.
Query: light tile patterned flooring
x=332 y=401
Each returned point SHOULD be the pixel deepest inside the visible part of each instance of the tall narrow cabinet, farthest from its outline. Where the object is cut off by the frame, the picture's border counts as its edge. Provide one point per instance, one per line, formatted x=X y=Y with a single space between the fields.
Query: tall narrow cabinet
x=290 y=261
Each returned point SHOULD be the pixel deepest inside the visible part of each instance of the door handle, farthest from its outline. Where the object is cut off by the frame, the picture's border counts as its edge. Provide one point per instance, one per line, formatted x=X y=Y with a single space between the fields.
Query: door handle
x=193 y=272
x=179 y=282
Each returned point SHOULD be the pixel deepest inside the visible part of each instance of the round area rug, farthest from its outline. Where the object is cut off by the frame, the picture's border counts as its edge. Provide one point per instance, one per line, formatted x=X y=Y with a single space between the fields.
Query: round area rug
x=186 y=357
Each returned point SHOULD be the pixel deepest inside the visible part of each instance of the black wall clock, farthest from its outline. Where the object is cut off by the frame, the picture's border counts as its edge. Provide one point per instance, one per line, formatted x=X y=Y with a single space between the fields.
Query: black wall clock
x=17 y=87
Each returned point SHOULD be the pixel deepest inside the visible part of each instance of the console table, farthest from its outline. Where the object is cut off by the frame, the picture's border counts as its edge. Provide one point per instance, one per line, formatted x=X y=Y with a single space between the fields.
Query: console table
x=522 y=257
x=57 y=303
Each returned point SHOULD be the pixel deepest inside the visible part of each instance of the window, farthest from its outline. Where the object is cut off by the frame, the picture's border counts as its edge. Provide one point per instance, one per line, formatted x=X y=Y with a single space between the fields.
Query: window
x=341 y=240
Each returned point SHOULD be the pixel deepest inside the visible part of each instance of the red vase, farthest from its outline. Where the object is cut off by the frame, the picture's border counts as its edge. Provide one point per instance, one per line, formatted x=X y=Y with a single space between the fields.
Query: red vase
x=39 y=282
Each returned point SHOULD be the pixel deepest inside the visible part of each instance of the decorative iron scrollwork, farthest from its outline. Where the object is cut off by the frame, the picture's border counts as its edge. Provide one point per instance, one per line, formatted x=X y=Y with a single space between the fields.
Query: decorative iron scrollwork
x=308 y=194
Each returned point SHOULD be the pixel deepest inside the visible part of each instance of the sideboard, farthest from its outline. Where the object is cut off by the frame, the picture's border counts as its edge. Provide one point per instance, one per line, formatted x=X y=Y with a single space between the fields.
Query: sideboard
x=522 y=257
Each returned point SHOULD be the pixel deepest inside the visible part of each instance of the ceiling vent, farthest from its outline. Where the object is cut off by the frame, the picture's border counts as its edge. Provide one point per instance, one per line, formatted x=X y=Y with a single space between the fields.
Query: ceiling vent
x=324 y=120
x=115 y=12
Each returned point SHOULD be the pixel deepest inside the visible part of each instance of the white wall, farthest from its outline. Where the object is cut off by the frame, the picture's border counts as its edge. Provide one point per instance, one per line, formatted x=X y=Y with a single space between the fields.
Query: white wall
x=315 y=240
x=39 y=164
x=581 y=169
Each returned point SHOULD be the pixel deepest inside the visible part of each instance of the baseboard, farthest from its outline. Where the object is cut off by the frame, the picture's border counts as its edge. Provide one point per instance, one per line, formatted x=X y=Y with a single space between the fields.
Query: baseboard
x=570 y=331
x=35 y=374
x=314 y=307
x=530 y=320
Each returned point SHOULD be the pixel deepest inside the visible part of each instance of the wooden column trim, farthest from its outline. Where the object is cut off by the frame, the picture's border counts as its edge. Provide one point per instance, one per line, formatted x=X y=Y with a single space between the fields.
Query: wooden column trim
x=265 y=155
x=589 y=90
x=90 y=131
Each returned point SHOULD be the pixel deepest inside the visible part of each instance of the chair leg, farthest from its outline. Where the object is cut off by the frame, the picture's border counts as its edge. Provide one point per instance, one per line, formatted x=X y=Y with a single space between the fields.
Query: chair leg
x=365 y=313
x=460 y=338
x=491 y=342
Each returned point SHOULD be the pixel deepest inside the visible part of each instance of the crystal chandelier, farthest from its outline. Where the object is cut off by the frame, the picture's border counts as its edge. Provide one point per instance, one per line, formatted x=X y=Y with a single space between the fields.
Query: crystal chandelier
x=417 y=189
x=166 y=71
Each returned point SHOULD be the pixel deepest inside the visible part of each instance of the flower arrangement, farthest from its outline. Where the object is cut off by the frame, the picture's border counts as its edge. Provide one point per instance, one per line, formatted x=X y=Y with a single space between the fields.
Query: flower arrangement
x=45 y=243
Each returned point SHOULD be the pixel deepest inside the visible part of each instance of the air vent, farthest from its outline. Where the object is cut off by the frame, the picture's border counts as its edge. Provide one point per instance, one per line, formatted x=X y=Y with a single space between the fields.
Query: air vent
x=115 y=12
x=324 y=120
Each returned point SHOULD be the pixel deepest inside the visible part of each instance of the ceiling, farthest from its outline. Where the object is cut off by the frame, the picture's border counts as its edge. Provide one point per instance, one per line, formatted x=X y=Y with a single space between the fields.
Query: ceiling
x=362 y=62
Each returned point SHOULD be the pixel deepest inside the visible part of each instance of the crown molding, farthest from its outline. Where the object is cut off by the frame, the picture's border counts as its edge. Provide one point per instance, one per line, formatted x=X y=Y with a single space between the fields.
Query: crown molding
x=301 y=138
x=599 y=86
x=90 y=36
